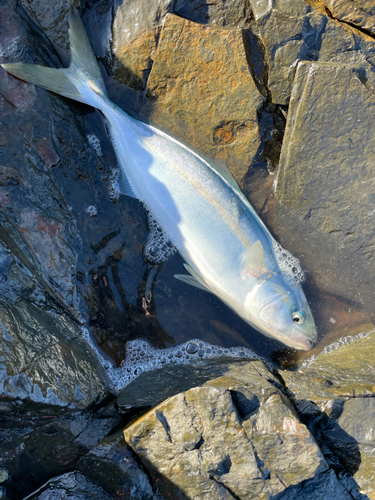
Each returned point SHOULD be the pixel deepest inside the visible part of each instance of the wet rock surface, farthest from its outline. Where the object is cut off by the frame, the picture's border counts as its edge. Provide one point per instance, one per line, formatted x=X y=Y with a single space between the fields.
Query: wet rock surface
x=39 y=443
x=114 y=466
x=335 y=393
x=328 y=183
x=221 y=76
x=72 y=485
x=237 y=436
x=153 y=387
x=295 y=31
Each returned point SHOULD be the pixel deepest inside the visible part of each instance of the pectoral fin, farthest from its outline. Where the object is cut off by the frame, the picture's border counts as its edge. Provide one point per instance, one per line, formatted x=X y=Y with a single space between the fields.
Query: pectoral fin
x=252 y=262
x=193 y=280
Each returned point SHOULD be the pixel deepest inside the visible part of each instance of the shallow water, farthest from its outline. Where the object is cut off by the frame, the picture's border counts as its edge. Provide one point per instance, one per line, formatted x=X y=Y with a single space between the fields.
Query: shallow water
x=121 y=284
x=120 y=279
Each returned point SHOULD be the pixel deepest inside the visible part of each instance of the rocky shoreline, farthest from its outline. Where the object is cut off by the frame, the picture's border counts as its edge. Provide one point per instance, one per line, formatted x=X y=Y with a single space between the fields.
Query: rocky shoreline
x=283 y=92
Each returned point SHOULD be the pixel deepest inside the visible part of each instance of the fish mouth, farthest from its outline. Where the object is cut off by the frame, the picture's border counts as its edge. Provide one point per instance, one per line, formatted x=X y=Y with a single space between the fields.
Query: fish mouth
x=299 y=341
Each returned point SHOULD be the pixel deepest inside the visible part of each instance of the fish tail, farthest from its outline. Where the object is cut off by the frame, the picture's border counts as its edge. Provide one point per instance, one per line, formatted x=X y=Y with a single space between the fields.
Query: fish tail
x=82 y=81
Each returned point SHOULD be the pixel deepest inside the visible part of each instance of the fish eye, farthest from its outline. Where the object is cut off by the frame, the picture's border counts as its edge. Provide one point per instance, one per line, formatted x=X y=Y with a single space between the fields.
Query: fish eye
x=298 y=317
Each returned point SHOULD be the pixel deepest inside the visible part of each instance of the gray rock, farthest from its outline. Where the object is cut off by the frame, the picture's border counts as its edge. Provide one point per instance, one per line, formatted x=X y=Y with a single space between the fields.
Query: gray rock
x=113 y=466
x=325 y=180
x=134 y=16
x=293 y=31
x=235 y=436
x=221 y=13
x=352 y=439
x=360 y=14
x=152 y=387
x=52 y=18
x=72 y=486
x=38 y=443
x=334 y=392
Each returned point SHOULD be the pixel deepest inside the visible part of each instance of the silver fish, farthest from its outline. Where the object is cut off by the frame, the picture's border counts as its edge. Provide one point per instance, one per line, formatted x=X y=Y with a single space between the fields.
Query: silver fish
x=227 y=249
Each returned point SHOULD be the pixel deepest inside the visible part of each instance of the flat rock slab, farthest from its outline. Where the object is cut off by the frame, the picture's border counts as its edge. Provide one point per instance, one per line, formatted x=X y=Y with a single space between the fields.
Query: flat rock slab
x=237 y=436
x=360 y=13
x=201 y=86
x=294 y=31
x=326 y=179
x=340 y=384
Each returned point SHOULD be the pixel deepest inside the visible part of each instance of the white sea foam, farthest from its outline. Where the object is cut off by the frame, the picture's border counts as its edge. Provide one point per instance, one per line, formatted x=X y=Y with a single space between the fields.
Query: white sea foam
x=92 y=211
x=289 y=265
x=158 y=247
x=95 y=144
x=141 y=357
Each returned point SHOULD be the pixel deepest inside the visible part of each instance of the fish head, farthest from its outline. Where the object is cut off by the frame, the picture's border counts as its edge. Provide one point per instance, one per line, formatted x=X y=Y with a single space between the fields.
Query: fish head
x=281 y=312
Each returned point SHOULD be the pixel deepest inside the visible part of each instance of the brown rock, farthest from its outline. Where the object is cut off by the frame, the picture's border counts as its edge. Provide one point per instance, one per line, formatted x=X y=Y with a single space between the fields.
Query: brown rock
x=134 y=60
x=360 y=13
x=235 y=436
x=336 y=374
x=201 y=87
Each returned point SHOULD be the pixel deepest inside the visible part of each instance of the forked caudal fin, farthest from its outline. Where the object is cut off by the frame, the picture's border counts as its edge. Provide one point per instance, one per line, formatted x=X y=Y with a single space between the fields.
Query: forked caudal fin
x=81 y=81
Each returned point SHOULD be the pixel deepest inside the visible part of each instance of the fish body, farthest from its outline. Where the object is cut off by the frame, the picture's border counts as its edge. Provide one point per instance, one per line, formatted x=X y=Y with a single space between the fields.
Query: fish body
x=227 y=249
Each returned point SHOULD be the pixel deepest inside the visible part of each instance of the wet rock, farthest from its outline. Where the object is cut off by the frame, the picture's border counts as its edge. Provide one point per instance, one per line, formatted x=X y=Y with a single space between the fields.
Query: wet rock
x=203 y=72
x=113 y=466
x=357 y=432
x=235 y=436
x=331 y=392
x=38 y=442
x=134 y=59
x=293 y=32
x=220 y=13
x=325 y=202
x=339 y=373
x=72 y=485
x=52 y=18
x=152 y=387
x=360 y=14
x=134 y=16
x=46 y=361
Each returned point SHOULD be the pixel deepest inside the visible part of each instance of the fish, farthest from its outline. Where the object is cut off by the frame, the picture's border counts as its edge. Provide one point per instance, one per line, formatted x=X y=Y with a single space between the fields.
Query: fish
x=226 y=248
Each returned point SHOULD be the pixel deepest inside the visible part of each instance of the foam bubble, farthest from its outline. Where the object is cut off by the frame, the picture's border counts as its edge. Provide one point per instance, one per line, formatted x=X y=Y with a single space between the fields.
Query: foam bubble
x=289 y=265
x=92 y=211
x=113 y=191
x=158 y=247
x=95 y=144
x=141 y=357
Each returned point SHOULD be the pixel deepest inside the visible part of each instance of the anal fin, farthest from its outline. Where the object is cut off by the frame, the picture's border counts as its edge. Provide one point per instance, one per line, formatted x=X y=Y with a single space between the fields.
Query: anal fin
x=123 y=186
